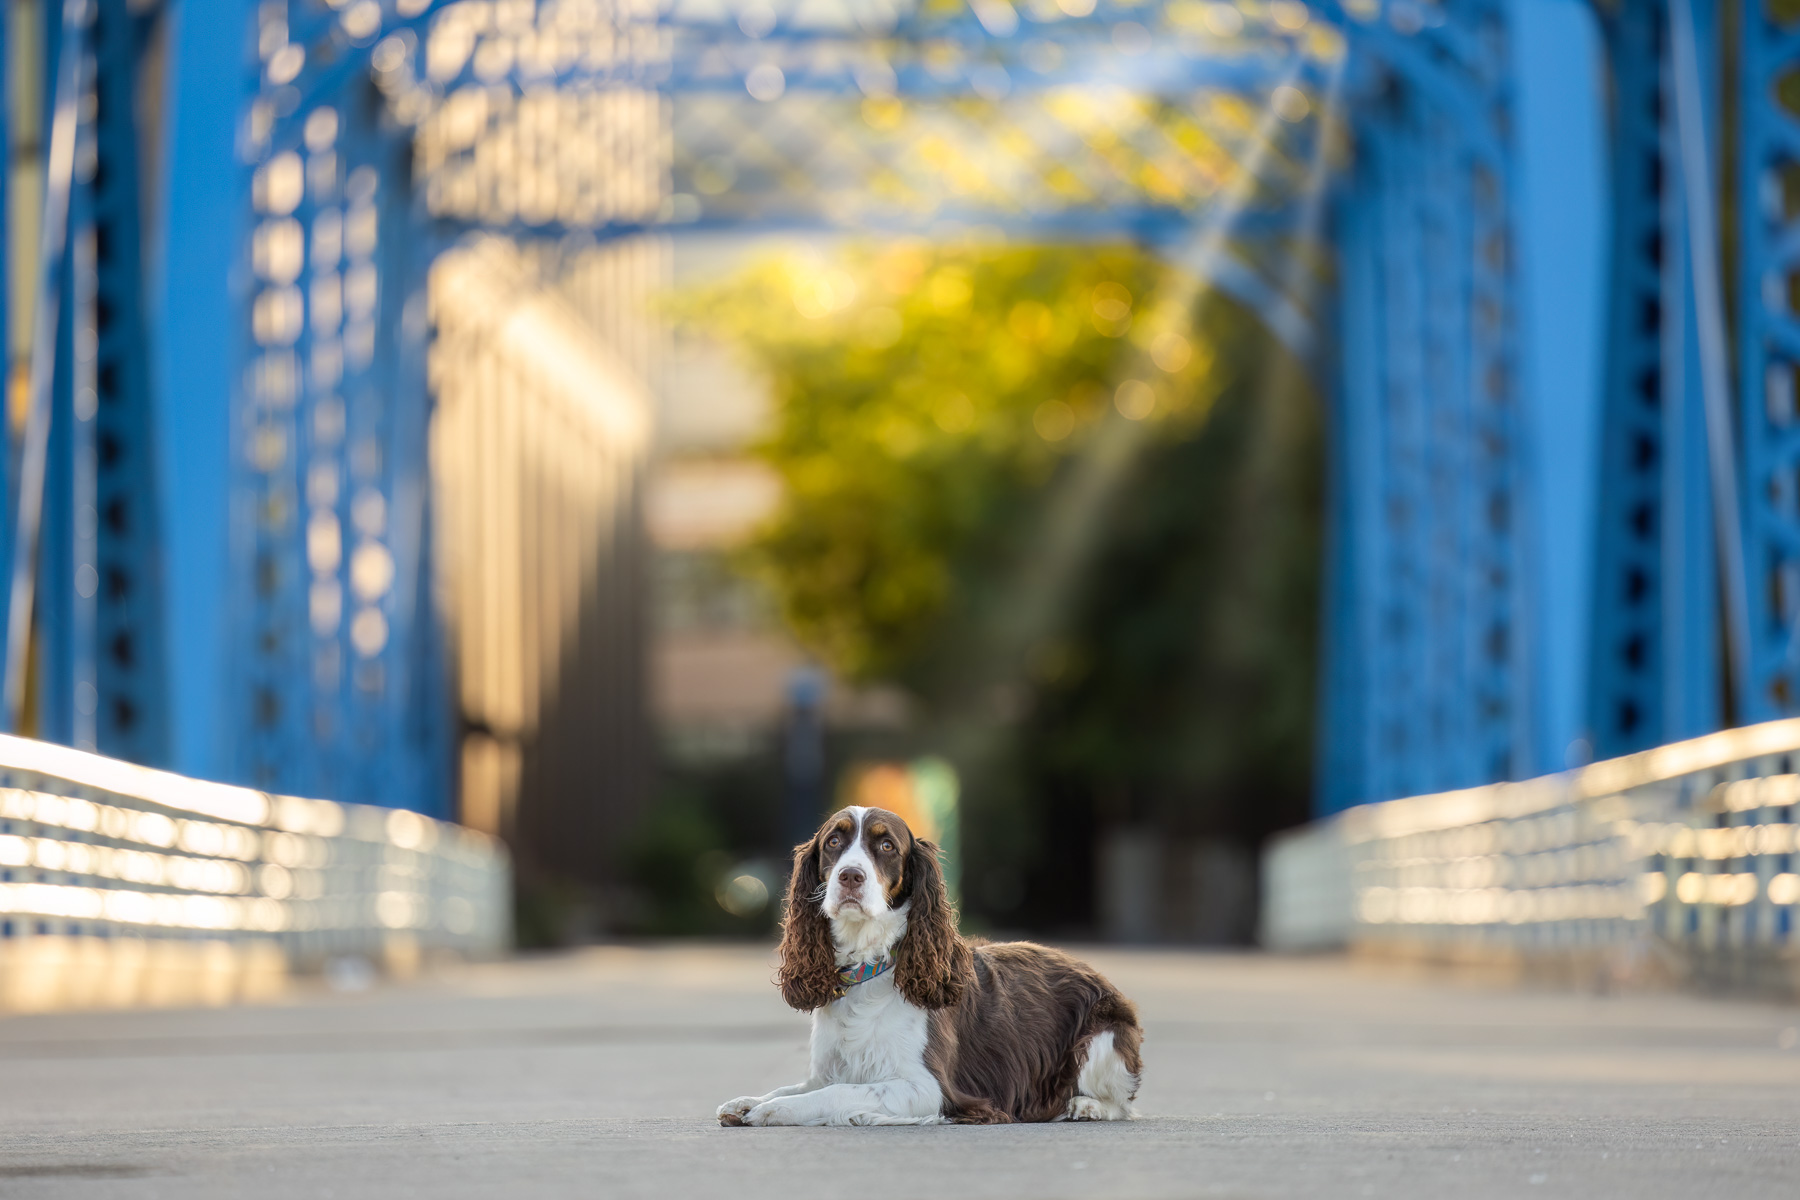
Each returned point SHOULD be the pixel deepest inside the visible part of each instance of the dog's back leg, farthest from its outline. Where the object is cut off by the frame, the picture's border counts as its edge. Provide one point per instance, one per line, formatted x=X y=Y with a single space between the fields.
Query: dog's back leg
x=1108 y=1080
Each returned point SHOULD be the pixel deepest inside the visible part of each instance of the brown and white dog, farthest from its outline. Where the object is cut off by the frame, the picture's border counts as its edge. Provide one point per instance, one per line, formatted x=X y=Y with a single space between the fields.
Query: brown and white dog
x=914 y=1025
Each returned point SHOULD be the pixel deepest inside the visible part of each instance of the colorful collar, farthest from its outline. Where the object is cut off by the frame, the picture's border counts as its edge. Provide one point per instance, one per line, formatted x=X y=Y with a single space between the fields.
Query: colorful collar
x=862 y=972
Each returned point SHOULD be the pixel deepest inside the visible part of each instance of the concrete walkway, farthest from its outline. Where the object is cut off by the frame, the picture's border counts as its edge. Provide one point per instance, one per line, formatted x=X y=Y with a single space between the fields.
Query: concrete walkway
x=595 y=1075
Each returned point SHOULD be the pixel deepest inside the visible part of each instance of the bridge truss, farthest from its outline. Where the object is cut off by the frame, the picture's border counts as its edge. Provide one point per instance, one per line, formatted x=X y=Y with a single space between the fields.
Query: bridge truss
x=373 y=135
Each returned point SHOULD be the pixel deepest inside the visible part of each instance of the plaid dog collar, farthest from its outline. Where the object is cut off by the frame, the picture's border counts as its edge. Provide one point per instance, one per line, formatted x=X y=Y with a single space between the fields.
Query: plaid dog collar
x=862 y=972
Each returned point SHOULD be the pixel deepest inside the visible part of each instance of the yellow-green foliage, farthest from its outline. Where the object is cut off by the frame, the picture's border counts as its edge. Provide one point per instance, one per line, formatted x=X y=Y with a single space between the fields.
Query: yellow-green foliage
x=921 y=393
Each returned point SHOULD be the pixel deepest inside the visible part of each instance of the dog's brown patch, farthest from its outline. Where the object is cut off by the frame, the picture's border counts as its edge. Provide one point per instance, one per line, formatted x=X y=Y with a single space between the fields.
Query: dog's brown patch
x=1010 y=1049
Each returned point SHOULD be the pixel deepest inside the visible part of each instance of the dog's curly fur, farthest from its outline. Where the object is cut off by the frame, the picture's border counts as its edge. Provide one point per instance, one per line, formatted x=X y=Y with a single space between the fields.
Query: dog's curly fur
x=808 y=974
x=932 y=964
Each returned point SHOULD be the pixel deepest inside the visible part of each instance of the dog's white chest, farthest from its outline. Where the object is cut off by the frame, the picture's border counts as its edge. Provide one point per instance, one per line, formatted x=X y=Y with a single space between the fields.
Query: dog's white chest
x=870 y=1036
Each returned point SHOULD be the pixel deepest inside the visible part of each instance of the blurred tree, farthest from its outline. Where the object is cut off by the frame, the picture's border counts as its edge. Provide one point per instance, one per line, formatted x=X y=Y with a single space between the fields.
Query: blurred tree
x=1069 y=499
x=920 y=396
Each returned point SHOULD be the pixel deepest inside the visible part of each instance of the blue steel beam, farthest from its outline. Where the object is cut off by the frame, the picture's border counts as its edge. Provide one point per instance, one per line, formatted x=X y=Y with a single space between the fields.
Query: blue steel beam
x=200 y=206
x=881 y=162
x=85 y=591
x=911 y=165
x=1628 y=665
x=928 y=51
x=83 y=598
x=1656 y=648
x=1768 y=348
x=809 y=65
x=118 y=580
x=1431 y=663
x=337 y=643
x=1688 y=46
x=804 y=136
x=1659 y=675
x=1561 y=225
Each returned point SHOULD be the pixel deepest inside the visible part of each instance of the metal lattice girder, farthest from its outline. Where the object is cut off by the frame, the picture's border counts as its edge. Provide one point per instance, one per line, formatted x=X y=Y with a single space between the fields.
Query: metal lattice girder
x=873 y=48
x=1119 y=122
x=1428 y=670
x=1768 y=272
x=340 y=688
x=127 y=645
x=90 y=590
x=1656 y=648
x=750 y=118
x=337 y=651
x=1056 y=161
x=1627 y=671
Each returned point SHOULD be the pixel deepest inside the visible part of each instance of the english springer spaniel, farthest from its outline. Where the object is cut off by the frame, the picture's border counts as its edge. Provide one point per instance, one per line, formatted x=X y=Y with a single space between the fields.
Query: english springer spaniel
x=913 y=1024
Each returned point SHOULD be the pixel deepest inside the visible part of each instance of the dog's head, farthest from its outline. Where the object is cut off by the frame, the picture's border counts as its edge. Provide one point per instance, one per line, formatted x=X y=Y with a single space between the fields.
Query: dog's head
x=864 y=880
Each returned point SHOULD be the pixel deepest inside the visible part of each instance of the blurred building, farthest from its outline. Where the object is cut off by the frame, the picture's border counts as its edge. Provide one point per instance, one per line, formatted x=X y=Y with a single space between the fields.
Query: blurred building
x=720 y=661
x=538 y=441
x=723 y=662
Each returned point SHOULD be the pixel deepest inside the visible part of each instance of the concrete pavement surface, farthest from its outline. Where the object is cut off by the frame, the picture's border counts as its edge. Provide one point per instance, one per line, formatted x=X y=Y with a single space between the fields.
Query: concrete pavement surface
x=595 y=1074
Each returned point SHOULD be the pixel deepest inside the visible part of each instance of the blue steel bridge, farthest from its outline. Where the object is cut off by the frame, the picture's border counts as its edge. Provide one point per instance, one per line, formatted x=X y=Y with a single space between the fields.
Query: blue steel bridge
x=297 y=499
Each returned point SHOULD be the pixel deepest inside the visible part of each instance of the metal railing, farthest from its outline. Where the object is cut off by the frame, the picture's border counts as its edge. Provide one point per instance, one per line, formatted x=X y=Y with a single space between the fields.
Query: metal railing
x=120 y=884
x=1681 y=858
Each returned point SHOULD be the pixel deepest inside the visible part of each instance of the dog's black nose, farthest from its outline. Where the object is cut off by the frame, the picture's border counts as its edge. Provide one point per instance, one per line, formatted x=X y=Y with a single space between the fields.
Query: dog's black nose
x=850 y=877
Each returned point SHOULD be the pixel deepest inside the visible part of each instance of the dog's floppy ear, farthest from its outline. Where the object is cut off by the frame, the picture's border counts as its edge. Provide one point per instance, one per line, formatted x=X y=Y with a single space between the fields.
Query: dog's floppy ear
x=932 y=964
x=808 y=972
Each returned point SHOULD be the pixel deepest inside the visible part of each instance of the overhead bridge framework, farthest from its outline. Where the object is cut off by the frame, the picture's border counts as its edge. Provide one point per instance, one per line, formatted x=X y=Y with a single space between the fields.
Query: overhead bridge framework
x=1563 y=502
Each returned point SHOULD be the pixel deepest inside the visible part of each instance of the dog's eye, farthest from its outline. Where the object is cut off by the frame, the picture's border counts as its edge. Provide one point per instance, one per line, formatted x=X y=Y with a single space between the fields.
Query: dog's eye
x=833 y=842
x=887 y=847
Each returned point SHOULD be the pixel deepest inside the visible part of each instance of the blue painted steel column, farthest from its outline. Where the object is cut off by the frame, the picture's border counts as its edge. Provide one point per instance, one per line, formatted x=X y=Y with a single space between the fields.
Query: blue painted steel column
x=1768 y=282
x=121 y=696
x=1432 y=641
x=1560 y=237
x=203 y=183
x=96 y=637
x=76 y=526
x=336 y=670
x=52 y=703
x=1693 y=41
x=1656 y=650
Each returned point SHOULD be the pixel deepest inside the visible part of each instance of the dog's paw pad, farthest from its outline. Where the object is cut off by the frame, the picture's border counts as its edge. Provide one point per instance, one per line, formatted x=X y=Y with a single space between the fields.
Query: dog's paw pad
x=737 y=1108
x=1086 y=1108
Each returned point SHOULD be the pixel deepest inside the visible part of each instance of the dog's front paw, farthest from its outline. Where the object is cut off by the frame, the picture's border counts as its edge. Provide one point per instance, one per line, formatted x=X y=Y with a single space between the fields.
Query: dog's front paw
x=732 y=1111
x=773 y=1112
